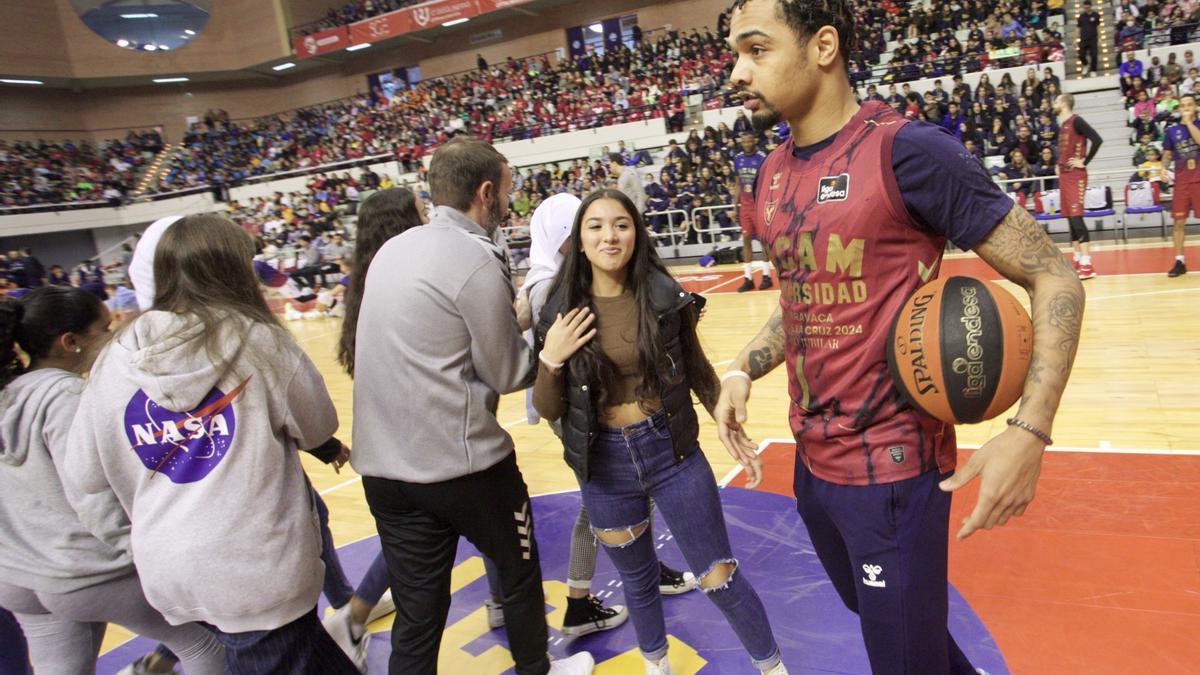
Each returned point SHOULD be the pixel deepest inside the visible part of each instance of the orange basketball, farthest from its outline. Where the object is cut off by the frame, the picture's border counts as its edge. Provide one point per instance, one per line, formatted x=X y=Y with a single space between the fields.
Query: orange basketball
x=959 y=349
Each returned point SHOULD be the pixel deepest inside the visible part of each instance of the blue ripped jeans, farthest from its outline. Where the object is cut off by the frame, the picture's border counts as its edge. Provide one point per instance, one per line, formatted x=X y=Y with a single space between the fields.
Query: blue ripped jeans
x=630 y=464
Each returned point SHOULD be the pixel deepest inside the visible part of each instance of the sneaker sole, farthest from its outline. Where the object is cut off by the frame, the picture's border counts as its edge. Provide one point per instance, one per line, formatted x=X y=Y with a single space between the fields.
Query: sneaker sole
x=675 y=590
x=595 y=626
x=1085 y=277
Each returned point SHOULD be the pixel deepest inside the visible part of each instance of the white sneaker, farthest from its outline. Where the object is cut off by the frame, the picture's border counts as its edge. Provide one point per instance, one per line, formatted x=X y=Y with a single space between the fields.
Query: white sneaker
x=495 y=614
x=382 y=608
x=291 y=313
x=661 y=668
x=777 y=670
x=313 y=314
x=340 y=626
x=576 y=664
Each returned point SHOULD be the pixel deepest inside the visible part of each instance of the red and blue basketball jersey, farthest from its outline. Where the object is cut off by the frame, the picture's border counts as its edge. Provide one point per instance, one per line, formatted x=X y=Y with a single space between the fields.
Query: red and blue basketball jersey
x=848 y=255
x=1185 y=152
x=746 y=167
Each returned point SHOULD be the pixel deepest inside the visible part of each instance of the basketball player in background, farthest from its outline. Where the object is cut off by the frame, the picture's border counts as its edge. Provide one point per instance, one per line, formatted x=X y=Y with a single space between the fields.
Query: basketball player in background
x=1181 y=142
x=855 y=209
x=1078 y=143
x=746 y=164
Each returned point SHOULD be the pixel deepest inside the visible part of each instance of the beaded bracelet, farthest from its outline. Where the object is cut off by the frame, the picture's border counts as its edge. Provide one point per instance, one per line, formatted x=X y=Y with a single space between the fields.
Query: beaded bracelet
x=1022 y=424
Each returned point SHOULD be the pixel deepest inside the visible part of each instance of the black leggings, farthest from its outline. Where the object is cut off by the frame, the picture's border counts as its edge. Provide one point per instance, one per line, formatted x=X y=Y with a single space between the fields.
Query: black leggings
x=1079 y=230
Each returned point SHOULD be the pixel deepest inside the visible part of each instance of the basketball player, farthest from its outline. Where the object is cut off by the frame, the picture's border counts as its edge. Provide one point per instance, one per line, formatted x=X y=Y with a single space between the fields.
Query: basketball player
x=1078 y=143
x=1181 y=142
x=856 y=209
x=746 y=165
x=436 y=464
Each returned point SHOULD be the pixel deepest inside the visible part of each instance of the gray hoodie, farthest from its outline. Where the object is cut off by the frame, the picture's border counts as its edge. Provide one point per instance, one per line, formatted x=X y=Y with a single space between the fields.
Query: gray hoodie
x=46 y=548
x=204 y=460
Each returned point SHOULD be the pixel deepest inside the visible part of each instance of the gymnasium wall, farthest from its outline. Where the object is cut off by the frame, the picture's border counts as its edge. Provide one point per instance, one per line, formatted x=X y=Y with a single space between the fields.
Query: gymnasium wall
x=27 y=113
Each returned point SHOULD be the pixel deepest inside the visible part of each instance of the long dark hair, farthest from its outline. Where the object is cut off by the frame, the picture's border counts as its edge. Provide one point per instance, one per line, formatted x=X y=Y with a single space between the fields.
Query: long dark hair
x=37 y=319
x=382 y=216
x=203 y=268
x=590 y=364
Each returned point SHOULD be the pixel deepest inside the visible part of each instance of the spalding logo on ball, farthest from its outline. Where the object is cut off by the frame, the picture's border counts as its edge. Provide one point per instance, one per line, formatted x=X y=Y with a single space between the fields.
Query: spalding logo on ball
x=959 y=349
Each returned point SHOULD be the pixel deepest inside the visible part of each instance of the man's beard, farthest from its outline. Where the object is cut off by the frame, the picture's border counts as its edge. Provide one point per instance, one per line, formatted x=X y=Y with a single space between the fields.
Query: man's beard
x=765 y=118
x=494 y=217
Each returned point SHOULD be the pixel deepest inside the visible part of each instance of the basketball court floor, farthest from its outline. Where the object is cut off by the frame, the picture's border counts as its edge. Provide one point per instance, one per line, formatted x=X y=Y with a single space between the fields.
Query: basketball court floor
x=1101 y=575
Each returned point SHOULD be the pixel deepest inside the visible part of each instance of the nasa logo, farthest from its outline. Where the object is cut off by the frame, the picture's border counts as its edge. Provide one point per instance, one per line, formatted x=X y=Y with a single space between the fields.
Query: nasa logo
x=833 y=189
x=310 y=45
x=183 y=446
x=421 y=16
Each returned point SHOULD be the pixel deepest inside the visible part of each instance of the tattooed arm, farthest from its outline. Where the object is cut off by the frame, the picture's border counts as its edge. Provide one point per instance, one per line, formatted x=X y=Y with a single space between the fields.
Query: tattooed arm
x=764 y=353
x=1010 y=463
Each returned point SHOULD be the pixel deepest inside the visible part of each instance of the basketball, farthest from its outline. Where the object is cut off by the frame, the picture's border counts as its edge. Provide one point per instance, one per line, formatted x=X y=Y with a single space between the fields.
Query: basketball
x=959 y=349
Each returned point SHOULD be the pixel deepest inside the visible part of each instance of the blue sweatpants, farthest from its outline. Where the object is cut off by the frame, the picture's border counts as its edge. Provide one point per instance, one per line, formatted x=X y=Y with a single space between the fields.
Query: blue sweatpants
x=884 y=548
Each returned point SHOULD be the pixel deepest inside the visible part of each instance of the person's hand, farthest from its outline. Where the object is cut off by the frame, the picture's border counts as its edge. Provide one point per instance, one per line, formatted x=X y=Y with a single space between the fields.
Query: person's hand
x=524 y=311
x=1188 y=118
x=730 y=415
x=1008 y=467
x=1075 y=163
x=568 y=335
x=340 y=461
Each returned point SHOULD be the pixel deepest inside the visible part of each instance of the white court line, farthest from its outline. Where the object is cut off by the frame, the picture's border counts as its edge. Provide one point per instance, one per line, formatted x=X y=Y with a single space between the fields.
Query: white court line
x=1139 y=295
x=737 y=277
x=340 y=485
x=1113 y=451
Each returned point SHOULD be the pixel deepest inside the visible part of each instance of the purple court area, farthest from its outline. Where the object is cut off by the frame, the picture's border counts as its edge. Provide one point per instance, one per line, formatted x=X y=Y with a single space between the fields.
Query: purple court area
x=816 y=632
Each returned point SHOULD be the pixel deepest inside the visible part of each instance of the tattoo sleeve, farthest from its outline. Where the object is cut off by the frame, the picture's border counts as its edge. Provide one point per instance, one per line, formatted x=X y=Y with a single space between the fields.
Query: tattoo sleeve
x=766 y=351
x=1020 y=250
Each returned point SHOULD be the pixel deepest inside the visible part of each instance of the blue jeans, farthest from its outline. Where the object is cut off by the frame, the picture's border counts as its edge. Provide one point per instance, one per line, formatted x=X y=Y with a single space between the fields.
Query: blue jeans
x=14 y=654
x=301 y=647
x=632 y=464
x=337 y=587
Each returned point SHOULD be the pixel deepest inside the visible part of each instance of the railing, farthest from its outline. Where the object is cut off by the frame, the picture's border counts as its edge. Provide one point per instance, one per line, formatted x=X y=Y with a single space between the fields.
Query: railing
x=714 y=229
x=61 y=206
x=1169 y=36
x=676 y=233
x=1114 y=179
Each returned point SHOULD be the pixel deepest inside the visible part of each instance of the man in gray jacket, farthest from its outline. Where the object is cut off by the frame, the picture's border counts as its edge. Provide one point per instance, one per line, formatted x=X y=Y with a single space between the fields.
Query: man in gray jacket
x=438 y=343
x=628 y=181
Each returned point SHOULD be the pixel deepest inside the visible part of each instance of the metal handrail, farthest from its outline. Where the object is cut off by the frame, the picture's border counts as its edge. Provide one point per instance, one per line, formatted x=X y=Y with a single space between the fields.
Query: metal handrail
x=672 y=232
x=713 y=231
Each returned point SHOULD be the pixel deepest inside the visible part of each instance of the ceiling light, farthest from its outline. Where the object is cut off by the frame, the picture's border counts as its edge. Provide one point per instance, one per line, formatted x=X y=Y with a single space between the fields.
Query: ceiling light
x=189 y=31
x=456 y=22
x=150 y=48
x=15 y=81
x=146 y=15
x=122 y=42
x=167 y=80
x=596 y=28
x=354 y=48
x=284 y=66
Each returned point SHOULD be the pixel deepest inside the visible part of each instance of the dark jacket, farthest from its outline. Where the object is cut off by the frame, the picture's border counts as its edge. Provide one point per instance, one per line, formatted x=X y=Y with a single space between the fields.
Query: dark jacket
x=579 y=424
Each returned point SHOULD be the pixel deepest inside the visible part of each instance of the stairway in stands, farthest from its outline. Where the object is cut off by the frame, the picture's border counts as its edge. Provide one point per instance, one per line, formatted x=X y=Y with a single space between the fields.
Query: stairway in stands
x=1108 y=31
x=156 y=167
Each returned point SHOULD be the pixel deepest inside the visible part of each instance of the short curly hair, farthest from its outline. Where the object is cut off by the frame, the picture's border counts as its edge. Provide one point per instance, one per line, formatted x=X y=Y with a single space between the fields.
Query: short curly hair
x=806 y=17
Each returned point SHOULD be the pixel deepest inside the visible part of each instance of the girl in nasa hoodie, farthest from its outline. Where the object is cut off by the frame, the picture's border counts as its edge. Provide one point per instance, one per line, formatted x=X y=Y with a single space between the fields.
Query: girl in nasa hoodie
x=193 y=417
x=64 y=583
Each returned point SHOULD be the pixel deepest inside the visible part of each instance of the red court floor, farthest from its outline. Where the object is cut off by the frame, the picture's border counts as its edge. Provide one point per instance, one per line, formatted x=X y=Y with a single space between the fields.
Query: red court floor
x=1101 y=574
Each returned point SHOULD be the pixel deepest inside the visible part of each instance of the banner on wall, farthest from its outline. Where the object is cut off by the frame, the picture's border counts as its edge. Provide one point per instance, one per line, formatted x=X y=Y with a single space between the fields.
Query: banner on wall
x=323 y=42
x=420 y=17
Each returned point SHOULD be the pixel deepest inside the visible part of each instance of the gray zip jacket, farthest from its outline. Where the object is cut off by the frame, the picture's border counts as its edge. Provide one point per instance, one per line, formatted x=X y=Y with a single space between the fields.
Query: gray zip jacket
x=438 y=343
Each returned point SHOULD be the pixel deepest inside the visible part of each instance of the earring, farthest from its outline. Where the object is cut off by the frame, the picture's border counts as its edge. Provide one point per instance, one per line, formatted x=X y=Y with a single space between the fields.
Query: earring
x=78 y=350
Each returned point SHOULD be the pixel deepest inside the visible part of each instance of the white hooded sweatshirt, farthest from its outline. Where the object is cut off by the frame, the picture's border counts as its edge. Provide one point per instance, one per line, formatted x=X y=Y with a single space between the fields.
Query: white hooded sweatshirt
x=204 y=460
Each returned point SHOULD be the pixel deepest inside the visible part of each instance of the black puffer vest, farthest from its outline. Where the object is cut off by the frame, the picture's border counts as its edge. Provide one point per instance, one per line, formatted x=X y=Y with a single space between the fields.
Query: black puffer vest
x=579 y=425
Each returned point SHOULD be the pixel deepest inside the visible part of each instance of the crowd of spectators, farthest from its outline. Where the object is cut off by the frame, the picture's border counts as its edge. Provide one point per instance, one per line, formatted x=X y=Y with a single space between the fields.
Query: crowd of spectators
x=1152 y=92
x=1009 y=126
x=352 y=12
x=45 y=172
x=509 y=100
x=930 y=42
x=1150 y=23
